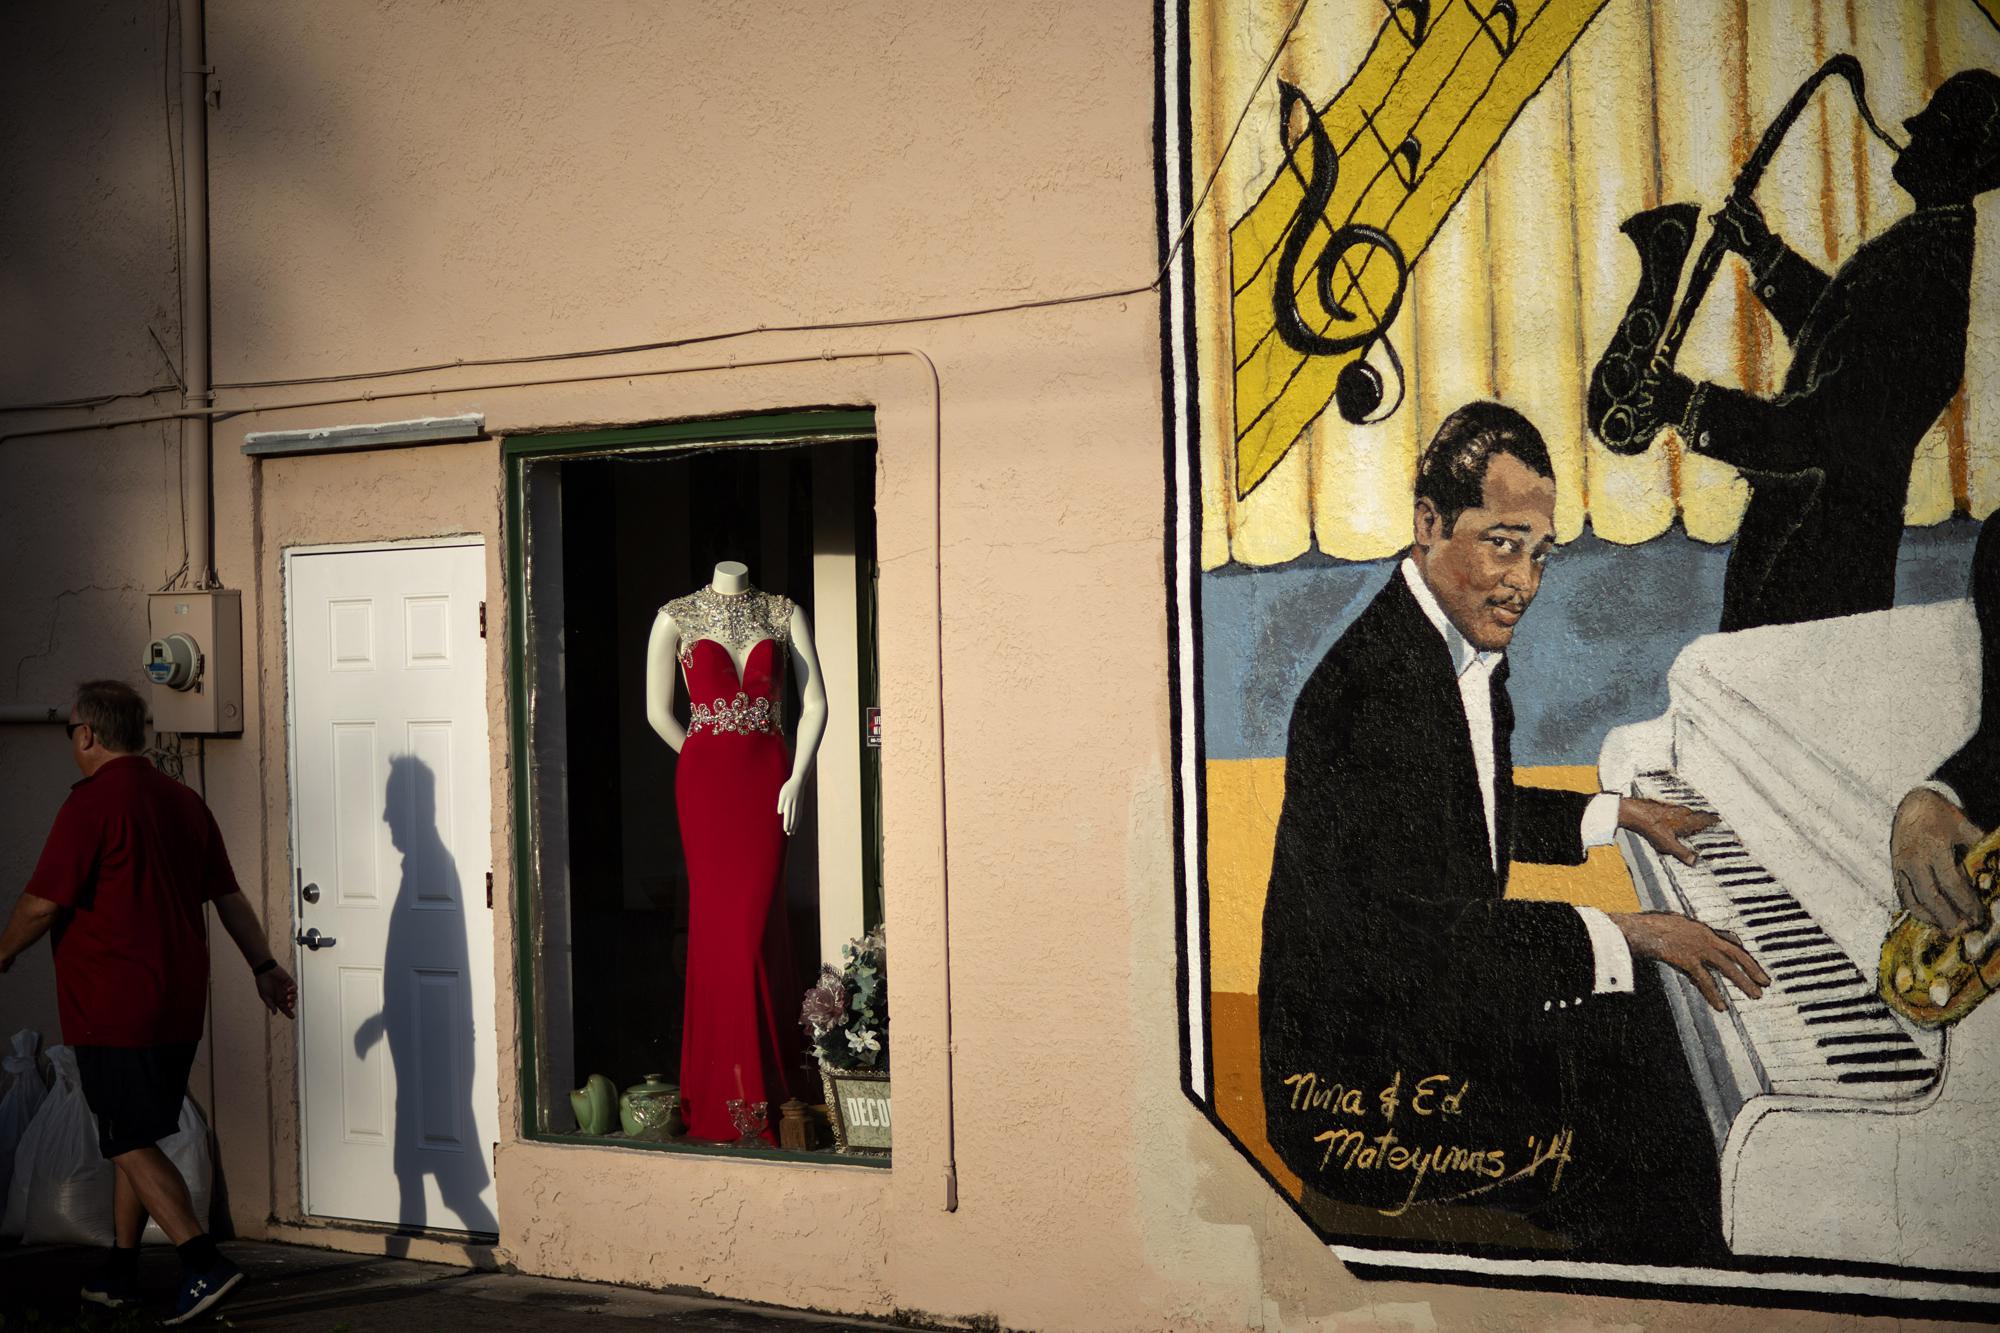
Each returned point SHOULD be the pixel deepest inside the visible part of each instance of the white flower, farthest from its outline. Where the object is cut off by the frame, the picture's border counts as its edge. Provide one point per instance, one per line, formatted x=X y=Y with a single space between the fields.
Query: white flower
x=863 y=1041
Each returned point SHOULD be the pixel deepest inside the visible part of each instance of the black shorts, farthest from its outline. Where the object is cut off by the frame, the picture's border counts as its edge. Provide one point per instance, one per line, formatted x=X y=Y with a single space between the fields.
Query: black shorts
x=135 y=1092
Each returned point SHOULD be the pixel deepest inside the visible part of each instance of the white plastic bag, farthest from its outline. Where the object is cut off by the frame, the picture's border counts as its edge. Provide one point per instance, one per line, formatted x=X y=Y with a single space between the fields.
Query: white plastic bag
x=21 y=1093
x=61 y=1184
x=61 y=1190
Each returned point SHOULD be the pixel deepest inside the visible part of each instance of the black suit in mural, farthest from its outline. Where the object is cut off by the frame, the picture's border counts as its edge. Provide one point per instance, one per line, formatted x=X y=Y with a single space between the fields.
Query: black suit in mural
x=1390 y=957
x=1878 y=350
x=1974 y=772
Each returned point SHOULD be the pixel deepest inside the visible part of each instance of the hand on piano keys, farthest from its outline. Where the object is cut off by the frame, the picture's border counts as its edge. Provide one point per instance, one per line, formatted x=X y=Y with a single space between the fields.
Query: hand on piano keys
x=1664 y=824
x=1696 y=949
x=1819 y=1028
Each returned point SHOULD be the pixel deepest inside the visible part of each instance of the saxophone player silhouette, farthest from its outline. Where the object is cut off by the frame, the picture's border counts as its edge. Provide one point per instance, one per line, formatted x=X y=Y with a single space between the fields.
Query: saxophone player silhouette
x=1878 y=351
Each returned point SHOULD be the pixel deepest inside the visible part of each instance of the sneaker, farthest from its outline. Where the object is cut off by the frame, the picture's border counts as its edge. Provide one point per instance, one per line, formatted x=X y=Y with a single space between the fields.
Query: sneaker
x=202 y=1292
x=111 y=1292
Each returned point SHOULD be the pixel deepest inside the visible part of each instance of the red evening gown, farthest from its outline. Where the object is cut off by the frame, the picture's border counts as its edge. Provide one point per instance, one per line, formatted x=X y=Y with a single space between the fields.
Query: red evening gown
x=739 y=1032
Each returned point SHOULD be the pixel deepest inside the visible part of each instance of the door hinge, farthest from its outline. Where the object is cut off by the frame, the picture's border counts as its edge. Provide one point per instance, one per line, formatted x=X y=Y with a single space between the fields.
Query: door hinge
x=482 y=620
x=489 y=890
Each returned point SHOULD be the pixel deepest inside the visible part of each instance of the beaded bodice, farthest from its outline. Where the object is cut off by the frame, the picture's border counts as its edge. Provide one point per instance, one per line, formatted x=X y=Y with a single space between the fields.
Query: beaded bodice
x=733 y=620
x=722 y=701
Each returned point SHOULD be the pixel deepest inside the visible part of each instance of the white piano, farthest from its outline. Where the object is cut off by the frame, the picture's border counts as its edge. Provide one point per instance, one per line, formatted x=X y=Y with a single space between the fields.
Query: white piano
x=1844 y=1131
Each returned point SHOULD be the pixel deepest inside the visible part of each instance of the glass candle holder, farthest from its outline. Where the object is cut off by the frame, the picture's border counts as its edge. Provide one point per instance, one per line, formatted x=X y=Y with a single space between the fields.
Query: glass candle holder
x=750 y=1120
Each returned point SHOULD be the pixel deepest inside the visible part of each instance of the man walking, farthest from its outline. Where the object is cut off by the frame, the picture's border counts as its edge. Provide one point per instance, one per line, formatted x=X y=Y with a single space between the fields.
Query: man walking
x=131 y=858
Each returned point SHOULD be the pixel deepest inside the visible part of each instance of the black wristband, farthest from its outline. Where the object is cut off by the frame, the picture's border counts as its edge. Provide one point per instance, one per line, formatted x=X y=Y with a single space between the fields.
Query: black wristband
x=263 y=967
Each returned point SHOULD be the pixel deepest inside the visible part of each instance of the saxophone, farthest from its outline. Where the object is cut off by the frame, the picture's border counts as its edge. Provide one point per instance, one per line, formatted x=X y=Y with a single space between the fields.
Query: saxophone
x=1934 y=981
x=1649 y=337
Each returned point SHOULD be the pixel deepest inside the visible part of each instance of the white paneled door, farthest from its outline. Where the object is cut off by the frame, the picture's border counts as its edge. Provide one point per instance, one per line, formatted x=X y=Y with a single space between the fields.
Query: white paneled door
x=392 y=847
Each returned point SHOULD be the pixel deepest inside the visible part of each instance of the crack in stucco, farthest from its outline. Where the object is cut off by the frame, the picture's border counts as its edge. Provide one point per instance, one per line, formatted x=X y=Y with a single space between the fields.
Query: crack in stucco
x=55 y=620
x=898 y=557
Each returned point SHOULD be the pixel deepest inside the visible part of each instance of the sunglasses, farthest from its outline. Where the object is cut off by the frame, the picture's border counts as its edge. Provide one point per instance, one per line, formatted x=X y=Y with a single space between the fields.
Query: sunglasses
x=69 y=728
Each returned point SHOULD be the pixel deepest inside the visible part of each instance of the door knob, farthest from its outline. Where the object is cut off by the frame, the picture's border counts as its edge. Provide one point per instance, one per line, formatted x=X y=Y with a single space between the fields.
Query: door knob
x=315 y=941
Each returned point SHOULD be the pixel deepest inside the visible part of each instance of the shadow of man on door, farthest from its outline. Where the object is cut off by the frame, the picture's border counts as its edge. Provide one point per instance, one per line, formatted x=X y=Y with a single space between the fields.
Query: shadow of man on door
x=427 y=1016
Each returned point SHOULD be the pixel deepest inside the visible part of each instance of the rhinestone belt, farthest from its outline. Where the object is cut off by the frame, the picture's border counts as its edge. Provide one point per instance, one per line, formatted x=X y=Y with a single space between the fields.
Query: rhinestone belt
x=742 y=715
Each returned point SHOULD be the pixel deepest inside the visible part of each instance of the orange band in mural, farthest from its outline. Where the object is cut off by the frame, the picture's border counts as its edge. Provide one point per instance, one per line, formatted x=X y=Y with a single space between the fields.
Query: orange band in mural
x=1364 y=186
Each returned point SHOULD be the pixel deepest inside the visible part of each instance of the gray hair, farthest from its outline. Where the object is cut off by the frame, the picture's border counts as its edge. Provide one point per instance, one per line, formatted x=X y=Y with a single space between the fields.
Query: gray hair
x=115 y=714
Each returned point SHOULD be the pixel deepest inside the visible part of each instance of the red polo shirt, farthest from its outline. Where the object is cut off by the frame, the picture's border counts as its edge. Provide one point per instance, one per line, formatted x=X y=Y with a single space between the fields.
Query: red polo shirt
x=133 y=855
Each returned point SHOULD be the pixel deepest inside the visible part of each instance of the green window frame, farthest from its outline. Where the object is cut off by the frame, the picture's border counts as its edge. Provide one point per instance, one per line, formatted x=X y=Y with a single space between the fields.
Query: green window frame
x=517 y=452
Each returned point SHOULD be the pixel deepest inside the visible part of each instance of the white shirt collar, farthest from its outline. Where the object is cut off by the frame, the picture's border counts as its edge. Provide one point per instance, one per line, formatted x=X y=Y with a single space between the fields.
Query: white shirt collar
x=1463 y=655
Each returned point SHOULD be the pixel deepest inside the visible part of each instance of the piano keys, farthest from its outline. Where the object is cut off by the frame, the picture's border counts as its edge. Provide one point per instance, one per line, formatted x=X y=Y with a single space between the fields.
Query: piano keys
x=1819 y=1029
x=1843 y=1132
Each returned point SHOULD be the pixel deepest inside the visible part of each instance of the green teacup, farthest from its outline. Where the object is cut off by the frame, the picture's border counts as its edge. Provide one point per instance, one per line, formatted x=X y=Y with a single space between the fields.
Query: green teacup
x=595 y=1104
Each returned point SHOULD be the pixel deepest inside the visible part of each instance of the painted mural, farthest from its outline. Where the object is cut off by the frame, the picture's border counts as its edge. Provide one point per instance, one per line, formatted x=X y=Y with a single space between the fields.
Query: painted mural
x=1582 y=415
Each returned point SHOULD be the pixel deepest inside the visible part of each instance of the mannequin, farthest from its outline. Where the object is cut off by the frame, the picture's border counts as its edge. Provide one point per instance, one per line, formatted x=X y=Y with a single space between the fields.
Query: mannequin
x=737 y=795
x=732 y=579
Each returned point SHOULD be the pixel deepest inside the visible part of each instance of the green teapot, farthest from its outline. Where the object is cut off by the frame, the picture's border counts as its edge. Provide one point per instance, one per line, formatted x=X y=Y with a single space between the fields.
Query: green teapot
x=594 y=1104
x=649 y=1109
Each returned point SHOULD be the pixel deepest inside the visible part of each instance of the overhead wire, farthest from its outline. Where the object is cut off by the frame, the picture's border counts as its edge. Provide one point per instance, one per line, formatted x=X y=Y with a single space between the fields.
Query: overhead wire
x=95 y=400
x=175 y=579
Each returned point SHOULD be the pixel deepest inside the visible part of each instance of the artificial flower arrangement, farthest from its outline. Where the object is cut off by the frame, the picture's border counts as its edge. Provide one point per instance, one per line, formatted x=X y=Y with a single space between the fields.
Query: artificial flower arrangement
x=846 y=1013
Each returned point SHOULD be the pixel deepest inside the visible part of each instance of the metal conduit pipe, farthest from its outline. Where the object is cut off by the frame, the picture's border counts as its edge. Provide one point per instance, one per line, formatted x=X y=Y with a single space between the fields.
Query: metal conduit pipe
x=197 y=428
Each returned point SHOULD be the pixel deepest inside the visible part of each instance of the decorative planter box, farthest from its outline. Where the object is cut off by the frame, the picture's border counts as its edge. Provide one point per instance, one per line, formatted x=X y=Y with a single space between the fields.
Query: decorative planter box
x=858 y=1103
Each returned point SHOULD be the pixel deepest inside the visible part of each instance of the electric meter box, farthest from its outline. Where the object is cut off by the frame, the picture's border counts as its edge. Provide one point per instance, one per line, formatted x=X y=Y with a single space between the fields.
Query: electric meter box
x=195 y=661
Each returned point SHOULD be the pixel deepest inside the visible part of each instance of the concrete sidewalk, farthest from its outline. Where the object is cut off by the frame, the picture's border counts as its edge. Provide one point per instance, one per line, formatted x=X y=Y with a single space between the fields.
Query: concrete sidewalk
x=294 y=1289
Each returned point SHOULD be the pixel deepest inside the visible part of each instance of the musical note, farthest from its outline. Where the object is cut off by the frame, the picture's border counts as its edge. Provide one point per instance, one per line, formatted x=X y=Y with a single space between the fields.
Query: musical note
x=1292 y=324
x=1319 y=264
x=1420 y=18
x=1403 y=158
x=1502 y=12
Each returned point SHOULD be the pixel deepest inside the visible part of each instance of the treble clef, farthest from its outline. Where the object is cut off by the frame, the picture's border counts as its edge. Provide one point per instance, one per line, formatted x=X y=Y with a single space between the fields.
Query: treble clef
x=1358 y=390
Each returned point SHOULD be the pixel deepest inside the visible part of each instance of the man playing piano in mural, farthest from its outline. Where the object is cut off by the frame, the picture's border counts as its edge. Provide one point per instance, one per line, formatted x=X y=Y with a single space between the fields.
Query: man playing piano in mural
x=1439 y=1061
x=1878 y=350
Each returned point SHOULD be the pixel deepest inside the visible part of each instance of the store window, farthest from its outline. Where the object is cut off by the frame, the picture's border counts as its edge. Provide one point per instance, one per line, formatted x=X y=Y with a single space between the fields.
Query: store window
x=693 y=603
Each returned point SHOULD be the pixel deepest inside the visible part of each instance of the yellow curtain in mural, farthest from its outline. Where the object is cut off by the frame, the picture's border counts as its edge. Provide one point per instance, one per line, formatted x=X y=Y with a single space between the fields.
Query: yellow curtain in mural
x=1518 y=273
x=1434 y=94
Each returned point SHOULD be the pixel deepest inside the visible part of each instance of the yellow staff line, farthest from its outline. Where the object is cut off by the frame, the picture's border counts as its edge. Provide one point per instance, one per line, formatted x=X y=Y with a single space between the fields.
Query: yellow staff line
x=1458 y=95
